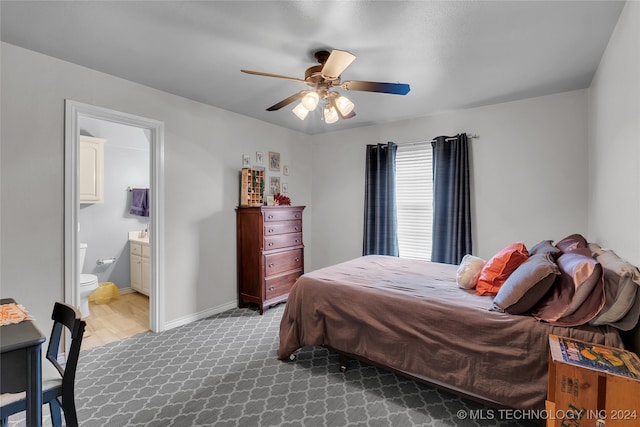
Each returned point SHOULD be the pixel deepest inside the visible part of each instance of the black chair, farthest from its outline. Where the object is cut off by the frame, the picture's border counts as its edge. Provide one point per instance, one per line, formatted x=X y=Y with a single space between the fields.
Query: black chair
x=58 y=381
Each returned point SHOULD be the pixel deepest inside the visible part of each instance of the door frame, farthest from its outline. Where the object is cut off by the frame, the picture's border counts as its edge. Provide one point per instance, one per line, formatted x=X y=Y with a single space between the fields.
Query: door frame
x=73 y=112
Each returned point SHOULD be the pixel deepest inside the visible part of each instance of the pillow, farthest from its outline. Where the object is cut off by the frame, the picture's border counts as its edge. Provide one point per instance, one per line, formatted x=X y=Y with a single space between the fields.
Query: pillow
x=595 y=249
x=499 y=267
x=572 y=242
x=576 y=296
x=545 y=247
x=621 y=281
x=527 y=284
x=630 y=320
x=469 y=271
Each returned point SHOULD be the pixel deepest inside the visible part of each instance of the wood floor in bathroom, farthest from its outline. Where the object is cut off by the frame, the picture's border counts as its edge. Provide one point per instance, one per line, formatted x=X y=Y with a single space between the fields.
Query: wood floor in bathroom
x=120 y=318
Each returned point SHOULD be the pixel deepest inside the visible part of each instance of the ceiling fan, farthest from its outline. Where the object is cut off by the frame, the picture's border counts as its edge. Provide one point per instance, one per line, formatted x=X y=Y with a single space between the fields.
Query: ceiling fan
x=322 y=78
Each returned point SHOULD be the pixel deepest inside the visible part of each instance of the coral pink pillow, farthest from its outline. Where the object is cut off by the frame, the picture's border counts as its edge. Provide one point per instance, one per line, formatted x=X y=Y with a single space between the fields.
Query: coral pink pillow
x=499 y=268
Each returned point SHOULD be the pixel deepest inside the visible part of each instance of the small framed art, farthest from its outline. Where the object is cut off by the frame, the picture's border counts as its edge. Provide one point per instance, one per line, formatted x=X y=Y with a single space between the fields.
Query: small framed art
x=285 y=187
x=246 y=162
x=285 y=170
x=274 y=184
x=274 y=161
x=259 y=157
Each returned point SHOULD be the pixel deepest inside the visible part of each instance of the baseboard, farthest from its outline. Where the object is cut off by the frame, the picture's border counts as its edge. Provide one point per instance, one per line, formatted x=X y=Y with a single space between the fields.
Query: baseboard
x=192 y=317
x=201 y=315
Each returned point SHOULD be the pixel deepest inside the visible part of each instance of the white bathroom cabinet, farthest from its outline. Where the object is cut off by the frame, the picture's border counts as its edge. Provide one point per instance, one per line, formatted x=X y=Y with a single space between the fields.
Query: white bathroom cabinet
x=91 y=168
x=140 y=253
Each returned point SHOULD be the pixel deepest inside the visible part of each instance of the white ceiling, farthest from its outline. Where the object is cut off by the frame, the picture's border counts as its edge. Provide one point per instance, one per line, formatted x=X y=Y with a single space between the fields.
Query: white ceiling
x=453 y=54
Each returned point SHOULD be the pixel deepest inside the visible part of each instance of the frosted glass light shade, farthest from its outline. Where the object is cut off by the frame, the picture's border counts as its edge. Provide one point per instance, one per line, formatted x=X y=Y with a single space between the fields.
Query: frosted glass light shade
x=330 y=114
x=300 y=111
x=344 y=105
x=310 y=101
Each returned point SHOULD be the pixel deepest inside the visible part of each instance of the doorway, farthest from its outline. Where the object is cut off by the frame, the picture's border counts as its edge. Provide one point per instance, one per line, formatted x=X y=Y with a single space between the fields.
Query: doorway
x=74 y=112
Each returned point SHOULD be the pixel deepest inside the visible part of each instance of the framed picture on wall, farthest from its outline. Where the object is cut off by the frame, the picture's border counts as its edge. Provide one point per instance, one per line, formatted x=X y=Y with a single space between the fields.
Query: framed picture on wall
x=246 y=162
x=274 y=161
x=285 y=170
x=259 y=157
x=274 y=185
x=285 y=187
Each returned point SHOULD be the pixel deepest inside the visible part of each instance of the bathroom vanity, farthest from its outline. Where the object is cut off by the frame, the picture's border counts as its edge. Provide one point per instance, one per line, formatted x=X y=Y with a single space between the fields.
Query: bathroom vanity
x=140 y=256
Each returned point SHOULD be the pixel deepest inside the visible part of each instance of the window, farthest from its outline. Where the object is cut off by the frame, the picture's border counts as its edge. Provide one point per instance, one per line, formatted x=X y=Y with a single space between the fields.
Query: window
x=414 y=194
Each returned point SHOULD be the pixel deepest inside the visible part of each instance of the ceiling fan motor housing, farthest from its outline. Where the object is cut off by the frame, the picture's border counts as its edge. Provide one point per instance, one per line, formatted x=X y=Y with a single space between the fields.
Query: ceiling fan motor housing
x=322 y=56
x=313 y=72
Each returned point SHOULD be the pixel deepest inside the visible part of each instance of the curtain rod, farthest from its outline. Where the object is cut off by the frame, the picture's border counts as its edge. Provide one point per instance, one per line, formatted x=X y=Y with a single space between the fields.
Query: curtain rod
x=450 y=138
x=472 y=136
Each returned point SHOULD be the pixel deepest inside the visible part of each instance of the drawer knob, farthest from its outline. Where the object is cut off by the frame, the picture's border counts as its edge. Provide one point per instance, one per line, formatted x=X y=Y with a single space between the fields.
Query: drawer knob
x=270 y=244
x=297 y=240
x=296 y=216
x=271 y=265
x=297 y=259
x=270 y=216
x=271 y=288
x=296 y=228
x=270 y=230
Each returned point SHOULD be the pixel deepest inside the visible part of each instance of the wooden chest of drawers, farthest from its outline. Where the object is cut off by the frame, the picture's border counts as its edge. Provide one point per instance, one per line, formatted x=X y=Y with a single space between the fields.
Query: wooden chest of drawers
x=270 y=253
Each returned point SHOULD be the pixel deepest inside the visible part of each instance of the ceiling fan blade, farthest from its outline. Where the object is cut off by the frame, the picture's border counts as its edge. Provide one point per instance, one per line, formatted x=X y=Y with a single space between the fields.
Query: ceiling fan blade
x=278 y=76
x=393 y=88
x=287 y=101
x=337 y=62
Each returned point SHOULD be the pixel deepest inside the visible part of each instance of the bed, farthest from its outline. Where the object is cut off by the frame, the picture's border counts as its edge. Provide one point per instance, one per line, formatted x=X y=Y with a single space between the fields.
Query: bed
x=411 y=317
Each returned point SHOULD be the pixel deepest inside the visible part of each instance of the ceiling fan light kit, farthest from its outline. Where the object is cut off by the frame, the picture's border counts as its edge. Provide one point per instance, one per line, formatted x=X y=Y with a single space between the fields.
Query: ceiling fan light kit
x=310 y=100
x=321 y=78
x=300 y=111
x=345 y=105
x=330 y=114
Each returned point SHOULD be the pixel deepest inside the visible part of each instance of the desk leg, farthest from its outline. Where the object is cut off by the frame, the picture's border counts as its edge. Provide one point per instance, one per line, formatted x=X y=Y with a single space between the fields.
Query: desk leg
x=34 y=386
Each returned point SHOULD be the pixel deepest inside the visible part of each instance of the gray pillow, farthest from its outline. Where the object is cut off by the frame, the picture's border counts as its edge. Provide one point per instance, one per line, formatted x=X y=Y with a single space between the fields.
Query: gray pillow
x=527 y=284
x=595 y=249
x=621 y=282
x=545 y=247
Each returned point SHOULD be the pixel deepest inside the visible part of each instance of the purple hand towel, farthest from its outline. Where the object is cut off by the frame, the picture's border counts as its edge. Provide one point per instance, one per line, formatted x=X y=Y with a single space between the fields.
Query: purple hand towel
x=139 y=201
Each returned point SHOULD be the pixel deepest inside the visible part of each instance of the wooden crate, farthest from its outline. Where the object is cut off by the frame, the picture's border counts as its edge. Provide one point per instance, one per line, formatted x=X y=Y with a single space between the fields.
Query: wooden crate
x=592 y=385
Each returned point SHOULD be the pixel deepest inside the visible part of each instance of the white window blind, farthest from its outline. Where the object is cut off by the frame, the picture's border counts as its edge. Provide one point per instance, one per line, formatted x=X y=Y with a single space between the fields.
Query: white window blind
x=414 y=195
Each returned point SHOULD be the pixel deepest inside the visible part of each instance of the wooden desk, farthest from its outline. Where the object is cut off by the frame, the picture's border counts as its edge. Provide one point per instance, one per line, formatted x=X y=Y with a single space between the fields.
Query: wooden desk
x=21 y=364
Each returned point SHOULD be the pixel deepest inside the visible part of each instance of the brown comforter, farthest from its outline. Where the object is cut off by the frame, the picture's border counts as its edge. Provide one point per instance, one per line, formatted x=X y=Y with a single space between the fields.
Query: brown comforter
x=410 y=316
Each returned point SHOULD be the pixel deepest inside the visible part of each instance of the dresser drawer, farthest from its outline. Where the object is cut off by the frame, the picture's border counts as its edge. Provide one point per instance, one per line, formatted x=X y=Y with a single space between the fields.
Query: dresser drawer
x=282 y=261
x=282 y=241
x=283 y=227
x=281 y=215
x=280 y=285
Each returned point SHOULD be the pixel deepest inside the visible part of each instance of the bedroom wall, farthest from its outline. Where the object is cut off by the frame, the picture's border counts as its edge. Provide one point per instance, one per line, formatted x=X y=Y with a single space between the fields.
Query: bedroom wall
x=614 y=141
x=529 y=173
x=203 y=156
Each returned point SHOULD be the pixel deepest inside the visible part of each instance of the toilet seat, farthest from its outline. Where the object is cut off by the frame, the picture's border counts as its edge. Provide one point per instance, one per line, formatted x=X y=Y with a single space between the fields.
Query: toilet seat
x=88 y=279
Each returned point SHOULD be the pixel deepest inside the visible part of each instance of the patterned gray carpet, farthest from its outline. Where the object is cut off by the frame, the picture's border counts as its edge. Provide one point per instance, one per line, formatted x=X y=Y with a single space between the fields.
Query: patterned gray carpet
x=223 y=371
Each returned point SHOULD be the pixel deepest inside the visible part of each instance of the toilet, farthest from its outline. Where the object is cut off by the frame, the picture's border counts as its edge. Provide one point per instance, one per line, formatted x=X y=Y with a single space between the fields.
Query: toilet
x=88 y=283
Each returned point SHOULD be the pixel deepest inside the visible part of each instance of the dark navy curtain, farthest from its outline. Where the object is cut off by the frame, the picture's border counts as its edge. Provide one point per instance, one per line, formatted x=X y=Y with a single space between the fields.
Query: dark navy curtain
x=451 y=199
x=380 y=218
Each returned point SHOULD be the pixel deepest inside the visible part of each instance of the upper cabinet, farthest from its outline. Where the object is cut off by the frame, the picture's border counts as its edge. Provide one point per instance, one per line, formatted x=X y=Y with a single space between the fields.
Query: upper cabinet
x=91 y=169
